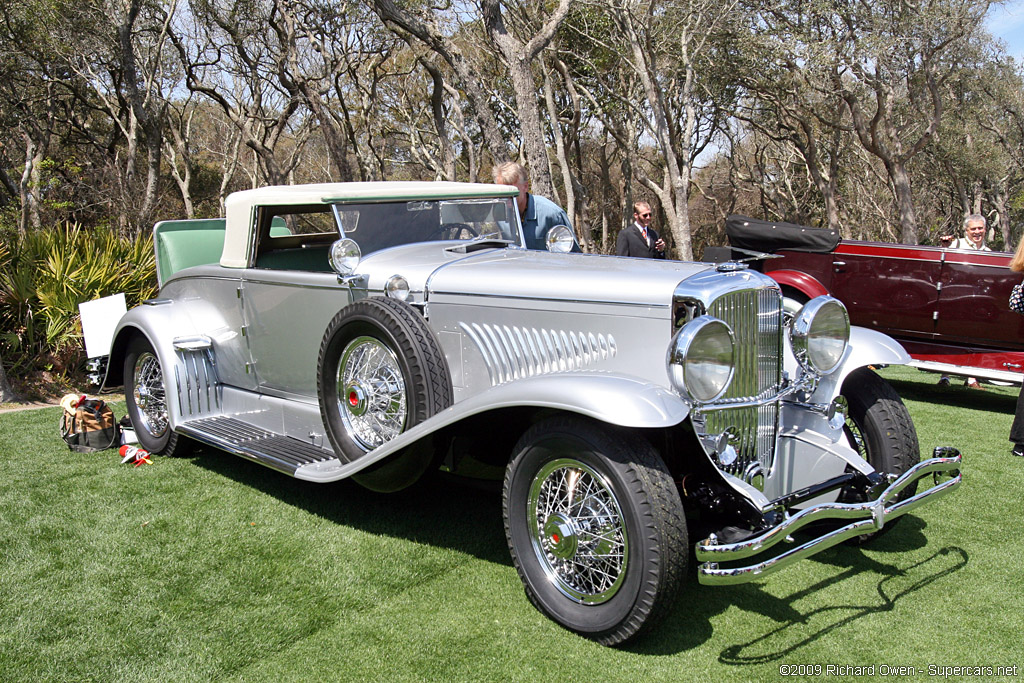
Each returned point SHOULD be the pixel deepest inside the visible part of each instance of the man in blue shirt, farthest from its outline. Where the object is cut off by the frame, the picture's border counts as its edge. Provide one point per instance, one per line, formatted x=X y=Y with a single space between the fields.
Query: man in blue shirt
x=537 y=214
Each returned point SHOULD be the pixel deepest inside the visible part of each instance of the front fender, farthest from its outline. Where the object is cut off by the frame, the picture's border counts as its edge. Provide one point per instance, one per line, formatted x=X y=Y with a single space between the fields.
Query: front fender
x=800 y=281
x=615 y=399
x=867 y=347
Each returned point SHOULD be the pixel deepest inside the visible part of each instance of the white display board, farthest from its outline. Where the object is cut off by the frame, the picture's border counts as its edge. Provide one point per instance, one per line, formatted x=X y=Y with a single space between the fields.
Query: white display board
x=99 y=318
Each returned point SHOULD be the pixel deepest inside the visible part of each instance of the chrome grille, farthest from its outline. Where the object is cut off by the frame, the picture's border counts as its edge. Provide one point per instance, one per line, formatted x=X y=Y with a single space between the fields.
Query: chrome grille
x=755 y=316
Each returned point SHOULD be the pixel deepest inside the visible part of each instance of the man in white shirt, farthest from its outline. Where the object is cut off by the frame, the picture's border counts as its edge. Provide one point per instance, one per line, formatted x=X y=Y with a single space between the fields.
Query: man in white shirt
x=975 y=227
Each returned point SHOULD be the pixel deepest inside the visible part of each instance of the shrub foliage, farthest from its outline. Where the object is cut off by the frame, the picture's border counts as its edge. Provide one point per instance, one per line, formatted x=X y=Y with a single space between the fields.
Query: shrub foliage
x=46 y=274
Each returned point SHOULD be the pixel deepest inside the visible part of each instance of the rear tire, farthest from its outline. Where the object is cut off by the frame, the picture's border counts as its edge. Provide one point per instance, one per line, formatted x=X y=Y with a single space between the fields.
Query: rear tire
x=145 y=394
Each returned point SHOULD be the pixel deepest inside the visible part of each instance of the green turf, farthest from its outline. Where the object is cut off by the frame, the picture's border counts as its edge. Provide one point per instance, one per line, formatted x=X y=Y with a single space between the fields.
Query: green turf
x=214 y=568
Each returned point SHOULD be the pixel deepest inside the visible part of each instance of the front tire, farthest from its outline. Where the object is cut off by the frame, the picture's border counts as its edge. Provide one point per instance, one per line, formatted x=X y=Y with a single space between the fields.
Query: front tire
x=792 y=301
x=595 y=527
x=145 y=394
x=880 y=428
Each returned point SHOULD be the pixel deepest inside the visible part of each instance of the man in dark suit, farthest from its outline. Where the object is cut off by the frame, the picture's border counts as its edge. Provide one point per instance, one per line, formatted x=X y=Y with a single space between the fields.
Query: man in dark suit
x=640 y=239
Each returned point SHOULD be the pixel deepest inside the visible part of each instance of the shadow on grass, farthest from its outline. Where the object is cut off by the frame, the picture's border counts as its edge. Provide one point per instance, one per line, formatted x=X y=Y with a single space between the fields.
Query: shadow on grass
x=690 y=623
x=438 y=511
x=999 y=400
x=802 y=628
x=451 y=514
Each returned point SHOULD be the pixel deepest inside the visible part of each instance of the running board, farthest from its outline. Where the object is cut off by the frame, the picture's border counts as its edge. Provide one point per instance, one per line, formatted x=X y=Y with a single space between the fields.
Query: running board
x=967 y=371
x=276 y=451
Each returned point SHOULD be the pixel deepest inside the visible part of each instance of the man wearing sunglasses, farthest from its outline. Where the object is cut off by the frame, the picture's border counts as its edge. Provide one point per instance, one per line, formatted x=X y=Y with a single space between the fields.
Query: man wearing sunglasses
x=640 y=239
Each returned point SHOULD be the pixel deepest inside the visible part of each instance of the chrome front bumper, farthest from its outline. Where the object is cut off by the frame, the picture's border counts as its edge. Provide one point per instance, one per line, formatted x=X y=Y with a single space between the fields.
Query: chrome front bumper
x=869 y=516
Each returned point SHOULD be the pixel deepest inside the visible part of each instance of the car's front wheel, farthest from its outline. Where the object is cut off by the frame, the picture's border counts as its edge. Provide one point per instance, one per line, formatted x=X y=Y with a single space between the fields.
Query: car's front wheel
x=146 y=397
x=880 y=428
x=792 y=301
x=595 y=526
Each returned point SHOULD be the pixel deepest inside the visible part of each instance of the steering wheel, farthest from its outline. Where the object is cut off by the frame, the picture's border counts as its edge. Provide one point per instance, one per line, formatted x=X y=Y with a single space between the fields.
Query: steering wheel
x=456 y=231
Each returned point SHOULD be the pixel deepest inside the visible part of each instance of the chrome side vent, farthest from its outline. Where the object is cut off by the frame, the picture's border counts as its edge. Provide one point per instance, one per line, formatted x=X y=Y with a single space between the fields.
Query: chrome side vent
x=755 y=316
x=515 y=352
x=198 y=385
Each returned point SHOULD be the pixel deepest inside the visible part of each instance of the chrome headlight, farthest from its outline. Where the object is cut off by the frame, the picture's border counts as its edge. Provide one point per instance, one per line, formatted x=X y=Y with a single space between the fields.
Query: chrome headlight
x=397 y=287
x=820 y=334
x=345 y=255
x=560 y=239
x=701 y=359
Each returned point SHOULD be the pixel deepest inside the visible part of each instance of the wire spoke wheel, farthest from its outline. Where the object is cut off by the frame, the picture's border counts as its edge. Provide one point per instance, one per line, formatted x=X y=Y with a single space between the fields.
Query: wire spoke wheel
x=380 y=373
x=595 y=526
x=371 y=392
x=577 y=531
x=148 y=392
x=146 y=399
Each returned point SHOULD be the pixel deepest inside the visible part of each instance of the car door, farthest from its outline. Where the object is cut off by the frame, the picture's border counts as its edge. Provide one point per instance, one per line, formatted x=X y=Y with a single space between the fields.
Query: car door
x=889 y=287
x=975 y=288
x=286 y=314
x=289 y=295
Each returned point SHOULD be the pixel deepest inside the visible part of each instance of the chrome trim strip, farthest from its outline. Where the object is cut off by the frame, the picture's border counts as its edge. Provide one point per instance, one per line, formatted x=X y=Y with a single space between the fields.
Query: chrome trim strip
x=334 y=286
x=967 y=371
x=205 y=276
x=506 y=297
x=177 y=383
x=870 y=515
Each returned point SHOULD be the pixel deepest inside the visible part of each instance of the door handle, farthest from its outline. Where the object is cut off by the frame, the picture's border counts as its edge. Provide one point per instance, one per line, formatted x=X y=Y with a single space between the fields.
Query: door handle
x=1012 y=365
x=837 y=264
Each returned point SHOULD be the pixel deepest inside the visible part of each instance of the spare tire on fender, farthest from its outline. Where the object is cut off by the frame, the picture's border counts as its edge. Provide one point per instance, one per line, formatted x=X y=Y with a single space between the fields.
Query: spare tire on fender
x=380 y=372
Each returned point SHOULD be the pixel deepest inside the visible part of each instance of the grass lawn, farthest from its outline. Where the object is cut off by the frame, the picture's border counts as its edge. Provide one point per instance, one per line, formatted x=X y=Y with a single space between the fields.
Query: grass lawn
x=213 y=568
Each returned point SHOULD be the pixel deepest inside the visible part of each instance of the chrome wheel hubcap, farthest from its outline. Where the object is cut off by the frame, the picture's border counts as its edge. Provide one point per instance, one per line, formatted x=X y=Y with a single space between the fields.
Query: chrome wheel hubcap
x=577 y=531
x=148 y=393
x=371 y=393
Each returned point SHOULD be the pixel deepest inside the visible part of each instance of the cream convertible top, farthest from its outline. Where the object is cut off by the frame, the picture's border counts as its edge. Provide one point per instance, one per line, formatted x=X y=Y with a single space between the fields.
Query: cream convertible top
x=241 y=206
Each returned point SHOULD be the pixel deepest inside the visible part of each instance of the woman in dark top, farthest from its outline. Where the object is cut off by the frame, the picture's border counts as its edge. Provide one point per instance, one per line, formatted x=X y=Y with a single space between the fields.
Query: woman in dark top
x=1017 y=430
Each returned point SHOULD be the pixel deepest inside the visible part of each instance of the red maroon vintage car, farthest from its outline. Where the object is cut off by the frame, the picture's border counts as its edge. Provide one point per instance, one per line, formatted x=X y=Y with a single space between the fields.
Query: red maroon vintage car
x=947 y=307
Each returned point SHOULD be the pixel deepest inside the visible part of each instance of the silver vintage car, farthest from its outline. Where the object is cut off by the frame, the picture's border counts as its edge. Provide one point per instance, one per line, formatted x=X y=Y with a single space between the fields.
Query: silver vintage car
x=384 y=331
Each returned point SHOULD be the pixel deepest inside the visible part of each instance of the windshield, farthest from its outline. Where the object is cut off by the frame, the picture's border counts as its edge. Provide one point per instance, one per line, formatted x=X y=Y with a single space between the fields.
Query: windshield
x=383 y=225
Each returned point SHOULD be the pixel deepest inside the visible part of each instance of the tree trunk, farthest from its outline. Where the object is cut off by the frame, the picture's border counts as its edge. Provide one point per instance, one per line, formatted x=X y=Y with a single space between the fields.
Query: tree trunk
x=519 y=59
x=1002 y=218
x=606 y=191
x=405 y=23
x=904 y=202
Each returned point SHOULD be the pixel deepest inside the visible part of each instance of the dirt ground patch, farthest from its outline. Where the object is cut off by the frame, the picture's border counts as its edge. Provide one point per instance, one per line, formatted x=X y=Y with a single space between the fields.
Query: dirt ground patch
x=43 y=390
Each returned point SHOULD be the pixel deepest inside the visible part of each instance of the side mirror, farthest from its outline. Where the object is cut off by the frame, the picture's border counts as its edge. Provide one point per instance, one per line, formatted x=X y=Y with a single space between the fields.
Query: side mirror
x=345 y=255
x=560 y=239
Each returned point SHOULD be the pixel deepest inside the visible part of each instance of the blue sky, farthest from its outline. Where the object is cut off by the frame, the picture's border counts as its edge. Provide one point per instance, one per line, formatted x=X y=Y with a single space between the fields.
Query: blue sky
x=1007 y=23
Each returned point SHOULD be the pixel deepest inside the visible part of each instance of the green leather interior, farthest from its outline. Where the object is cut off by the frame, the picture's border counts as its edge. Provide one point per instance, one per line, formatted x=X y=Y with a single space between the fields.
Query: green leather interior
x=182 y=244
x=311 y=259
x=187 y=243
